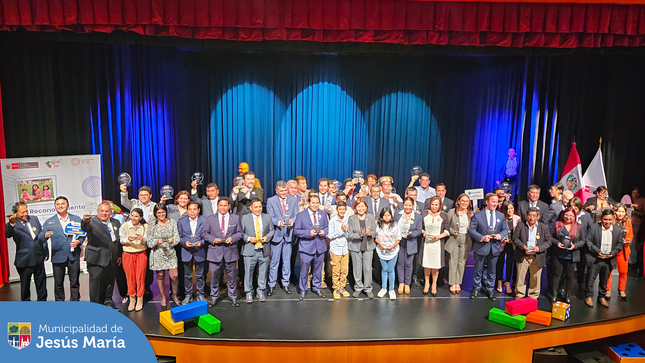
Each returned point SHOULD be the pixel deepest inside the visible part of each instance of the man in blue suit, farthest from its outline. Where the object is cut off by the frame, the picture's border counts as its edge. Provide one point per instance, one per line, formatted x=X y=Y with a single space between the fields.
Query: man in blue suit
x=193 y=251
x=31 y=251
x=65 y=249
x=311 y=227
x=221 y=232
x=487 y=229
x=282 y=208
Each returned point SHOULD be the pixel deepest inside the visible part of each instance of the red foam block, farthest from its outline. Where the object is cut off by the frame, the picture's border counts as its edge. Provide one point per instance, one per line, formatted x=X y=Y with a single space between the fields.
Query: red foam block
x=521 y=306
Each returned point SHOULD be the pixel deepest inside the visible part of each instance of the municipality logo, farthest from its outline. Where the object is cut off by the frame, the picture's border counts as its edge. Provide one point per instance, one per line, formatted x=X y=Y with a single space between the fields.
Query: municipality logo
x=19 y=334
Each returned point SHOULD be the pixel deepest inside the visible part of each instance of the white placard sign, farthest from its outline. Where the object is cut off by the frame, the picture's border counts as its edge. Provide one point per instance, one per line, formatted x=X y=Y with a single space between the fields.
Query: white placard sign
x=475 y=193
x=38 y=181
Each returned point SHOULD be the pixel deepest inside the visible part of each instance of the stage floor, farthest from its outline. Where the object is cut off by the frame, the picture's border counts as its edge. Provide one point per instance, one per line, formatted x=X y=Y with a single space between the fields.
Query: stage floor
x=415 y=317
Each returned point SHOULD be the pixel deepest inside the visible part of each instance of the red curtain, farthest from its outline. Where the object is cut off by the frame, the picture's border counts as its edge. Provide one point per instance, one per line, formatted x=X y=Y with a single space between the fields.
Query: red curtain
x=379 y=21
x=4 y=257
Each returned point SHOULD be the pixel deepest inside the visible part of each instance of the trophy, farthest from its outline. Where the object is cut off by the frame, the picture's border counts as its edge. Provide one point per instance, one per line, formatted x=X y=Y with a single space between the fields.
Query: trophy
x=90 y=208
x=167 y=191
x=317 y=228
x=567 y=242
x=416 y=171
x=197 y=177
x=507 y=187
x=605 y=248
x=358 y=174
x=239 y=181
x=125 y=178
x=338 y=185
x=491 y=231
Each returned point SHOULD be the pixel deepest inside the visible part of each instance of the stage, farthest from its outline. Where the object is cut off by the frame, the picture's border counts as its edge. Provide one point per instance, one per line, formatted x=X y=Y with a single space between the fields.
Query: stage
x=444 y=326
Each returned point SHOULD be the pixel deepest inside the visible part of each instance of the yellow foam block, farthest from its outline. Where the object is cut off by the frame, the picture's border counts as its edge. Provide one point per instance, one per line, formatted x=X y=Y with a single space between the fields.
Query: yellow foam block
x=165 y=319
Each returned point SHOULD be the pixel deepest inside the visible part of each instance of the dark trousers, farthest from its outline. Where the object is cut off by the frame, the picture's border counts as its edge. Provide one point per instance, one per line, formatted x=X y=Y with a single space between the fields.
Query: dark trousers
x=121 y=280
x=600 y=267
x=404 y=266
x=101 y=279
x=216 y=269
x=307 y=260
x=38 y=271
x=199 y=275
x=487 y=281
x=506 y=259
x=563 y=270
x=73 y=270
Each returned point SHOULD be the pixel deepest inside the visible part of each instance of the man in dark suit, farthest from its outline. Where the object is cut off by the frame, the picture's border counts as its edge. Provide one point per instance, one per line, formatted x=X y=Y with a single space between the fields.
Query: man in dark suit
x=604 y=241
x=193 y=251
x=31 y=251
x=207 y=203
x=65 y=249
x=258 y=232
x=447 y=203
x=531 y=239
x=533 y=201
x=222 y=231
x=282 y=208
x=487 y=229
x=242 y=195
x=375 y=204
x=311 y=227
x=102 y=253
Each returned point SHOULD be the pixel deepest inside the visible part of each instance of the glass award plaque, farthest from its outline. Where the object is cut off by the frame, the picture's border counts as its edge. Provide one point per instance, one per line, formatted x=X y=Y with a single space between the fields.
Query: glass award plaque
x=416 y=170
x=125 y=178
x=167 y=191
x=197 y=177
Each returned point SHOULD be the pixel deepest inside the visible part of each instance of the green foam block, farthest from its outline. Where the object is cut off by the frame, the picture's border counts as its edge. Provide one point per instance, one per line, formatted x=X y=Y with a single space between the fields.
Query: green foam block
x=500 y=316
x=209 y=323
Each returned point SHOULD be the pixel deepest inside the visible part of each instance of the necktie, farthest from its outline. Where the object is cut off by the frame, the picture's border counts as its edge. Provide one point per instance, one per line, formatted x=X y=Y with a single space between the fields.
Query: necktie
x=110 y=231
x=214 y=204
x=284 y=208
x=492 y=221
x=375 y=207
x=315 y=219
x=28 y=226
x=323 y=200
x=223 y=227
x=258 y=232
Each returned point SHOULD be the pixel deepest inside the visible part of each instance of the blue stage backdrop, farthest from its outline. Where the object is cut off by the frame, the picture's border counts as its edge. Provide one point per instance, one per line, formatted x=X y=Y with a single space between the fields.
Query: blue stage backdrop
x=162 y=113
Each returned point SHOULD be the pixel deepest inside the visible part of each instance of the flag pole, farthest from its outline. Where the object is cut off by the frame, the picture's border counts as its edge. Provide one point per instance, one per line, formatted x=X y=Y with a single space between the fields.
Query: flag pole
x=600 y=143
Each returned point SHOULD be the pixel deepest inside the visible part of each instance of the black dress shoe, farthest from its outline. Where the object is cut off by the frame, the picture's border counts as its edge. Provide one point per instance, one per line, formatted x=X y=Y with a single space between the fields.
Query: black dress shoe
x=474 y=294
x=270 y=291
x=286 y=289
x=319 y=293
x=212 y=301
x=567 y=299
x=110 y=304
x=301 y=296
x=234 y=302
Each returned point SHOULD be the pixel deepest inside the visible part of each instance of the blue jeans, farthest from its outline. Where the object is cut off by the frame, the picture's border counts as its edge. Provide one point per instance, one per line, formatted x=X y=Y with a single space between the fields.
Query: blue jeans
x=387 y=270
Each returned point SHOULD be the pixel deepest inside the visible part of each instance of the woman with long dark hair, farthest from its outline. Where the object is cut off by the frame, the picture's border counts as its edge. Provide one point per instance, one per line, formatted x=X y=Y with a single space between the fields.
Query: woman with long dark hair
x=568 y=240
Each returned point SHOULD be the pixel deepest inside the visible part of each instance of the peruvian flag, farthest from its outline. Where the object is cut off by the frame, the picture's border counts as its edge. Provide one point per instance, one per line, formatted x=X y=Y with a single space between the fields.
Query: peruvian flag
x=571 y=175
x=594 y=177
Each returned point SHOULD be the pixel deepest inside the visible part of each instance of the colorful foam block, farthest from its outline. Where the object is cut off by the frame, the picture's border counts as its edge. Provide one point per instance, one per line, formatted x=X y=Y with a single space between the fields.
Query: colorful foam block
x=520 y=306
x=500 y=316
x=165 y=319
x=560 y=310
x=539 y=317
x=209 y=323
x=189 y=311
x=626 y=353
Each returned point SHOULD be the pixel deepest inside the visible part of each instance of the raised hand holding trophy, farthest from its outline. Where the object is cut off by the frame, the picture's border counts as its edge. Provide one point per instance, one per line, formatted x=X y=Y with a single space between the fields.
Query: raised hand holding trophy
x=167 y=191
x=197 y=177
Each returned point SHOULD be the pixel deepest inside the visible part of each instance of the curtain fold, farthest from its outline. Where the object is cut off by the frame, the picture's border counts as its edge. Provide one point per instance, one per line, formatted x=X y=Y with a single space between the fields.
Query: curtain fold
x=4 y=257
x=503 y=24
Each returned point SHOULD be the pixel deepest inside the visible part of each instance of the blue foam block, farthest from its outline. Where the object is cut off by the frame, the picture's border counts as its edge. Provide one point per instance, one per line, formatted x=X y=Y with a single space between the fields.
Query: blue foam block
x=628 y=350
x=189 y=311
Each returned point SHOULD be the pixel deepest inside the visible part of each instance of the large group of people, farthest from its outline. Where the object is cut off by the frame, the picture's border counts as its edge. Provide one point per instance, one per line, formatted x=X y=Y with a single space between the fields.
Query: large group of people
x=422 y=238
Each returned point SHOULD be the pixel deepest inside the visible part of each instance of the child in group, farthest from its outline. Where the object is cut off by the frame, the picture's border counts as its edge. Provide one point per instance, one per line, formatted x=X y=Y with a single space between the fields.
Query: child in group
x=387 y=248
x=25 y=195
x=338 y=251
x=47 y=193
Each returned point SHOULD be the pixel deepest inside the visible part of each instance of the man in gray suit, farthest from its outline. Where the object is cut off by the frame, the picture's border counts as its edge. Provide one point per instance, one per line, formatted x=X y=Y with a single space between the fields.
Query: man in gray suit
x=447 y=203
x=375 y=204
x=144 y=201
x=243 y=195
x=258 y=232
x=207 y=203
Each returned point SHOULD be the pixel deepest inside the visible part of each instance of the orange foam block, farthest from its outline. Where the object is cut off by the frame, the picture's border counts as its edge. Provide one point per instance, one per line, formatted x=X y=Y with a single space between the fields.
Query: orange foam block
x=539 y=317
